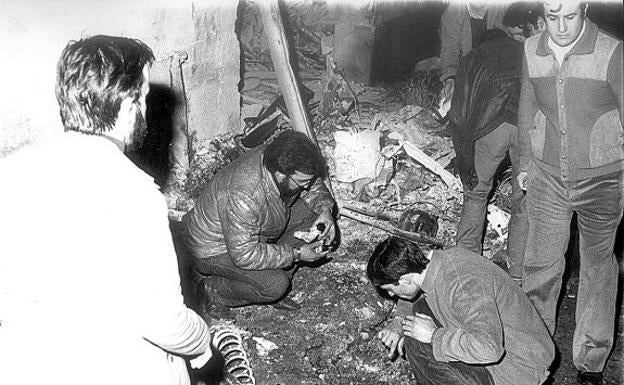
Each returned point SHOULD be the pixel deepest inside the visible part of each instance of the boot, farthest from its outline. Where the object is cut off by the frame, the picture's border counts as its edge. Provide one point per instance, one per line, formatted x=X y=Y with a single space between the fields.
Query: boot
x=209 y=304
x=287 y=304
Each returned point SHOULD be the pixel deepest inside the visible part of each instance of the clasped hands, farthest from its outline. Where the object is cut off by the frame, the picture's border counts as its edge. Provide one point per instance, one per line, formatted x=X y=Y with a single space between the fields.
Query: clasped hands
x=418 y=326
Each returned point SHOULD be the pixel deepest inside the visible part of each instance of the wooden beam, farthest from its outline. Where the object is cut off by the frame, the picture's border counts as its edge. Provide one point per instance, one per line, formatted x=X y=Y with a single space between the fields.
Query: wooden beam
x=280 y=55
x=410 y=236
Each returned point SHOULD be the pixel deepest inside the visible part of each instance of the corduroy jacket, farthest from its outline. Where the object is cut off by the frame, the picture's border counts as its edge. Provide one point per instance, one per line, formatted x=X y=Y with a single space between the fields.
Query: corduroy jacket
x=570 y=115
x=486 y=319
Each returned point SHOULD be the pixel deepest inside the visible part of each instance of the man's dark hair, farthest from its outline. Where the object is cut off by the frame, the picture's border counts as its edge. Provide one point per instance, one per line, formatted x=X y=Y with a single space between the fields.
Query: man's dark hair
x=534 y=14
x=292 y=151
x=542 y=9
x=517 y=14
x=94 y=75
x=393 y=258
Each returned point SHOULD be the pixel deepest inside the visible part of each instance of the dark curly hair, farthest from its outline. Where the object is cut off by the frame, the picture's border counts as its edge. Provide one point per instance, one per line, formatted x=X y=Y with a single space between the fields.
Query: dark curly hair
x=293 y=151
x=94 y=75
x=393 y=258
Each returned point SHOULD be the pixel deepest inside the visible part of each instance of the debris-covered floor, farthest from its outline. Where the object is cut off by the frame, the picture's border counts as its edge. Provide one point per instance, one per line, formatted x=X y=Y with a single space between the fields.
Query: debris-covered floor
x=332 y=339
x=388 y=154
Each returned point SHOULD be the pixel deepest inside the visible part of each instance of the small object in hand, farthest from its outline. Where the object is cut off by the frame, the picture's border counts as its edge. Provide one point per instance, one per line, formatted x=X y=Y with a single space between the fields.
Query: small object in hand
x=308 y=236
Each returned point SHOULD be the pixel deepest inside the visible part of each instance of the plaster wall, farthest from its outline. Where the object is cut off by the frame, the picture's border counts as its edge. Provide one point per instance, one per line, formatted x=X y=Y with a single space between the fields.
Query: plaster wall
x=33 y=33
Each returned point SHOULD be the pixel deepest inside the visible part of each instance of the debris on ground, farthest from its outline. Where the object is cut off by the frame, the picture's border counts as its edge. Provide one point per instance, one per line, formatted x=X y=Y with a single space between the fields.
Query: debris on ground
x=403 y=185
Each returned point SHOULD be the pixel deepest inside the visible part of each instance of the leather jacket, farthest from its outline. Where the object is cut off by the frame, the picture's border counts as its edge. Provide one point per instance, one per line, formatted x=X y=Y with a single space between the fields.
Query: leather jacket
x=487 y=92
x=240 y=212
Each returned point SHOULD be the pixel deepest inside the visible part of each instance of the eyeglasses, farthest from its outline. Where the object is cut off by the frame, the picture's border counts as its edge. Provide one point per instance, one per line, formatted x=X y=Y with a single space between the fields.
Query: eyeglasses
x=305 y=185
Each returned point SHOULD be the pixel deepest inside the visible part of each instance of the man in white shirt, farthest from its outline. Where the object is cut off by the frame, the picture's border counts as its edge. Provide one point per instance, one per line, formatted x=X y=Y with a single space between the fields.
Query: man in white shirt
x=89 y=283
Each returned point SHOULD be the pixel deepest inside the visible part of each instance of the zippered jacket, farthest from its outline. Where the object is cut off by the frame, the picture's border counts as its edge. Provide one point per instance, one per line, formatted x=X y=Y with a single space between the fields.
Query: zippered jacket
x=486 y=95
x=240 y=212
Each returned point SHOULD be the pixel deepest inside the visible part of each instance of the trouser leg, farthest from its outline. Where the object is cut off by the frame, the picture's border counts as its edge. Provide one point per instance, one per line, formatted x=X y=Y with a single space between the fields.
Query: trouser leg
x=431 y=372
x=518 y=228
x=549 y=213
x=489 y=151
x=599 y=211
x=239 y=287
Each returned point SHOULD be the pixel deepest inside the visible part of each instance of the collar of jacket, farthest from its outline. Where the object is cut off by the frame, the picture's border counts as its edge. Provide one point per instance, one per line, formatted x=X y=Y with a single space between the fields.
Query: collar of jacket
x=267 y=177
x=431 y=272
x=585 y=45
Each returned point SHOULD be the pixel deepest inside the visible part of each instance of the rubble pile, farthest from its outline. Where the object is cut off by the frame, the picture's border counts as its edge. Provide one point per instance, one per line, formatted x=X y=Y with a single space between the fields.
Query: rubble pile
x=407 y=188
x=309 y=27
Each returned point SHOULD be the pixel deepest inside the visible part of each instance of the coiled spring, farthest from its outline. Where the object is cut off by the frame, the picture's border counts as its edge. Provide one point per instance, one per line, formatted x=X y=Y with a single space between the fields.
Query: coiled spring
x=230 y=344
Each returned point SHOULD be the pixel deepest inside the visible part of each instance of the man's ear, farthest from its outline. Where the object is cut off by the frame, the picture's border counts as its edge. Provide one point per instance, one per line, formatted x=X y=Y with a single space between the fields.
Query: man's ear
x=279 y=176
x=127 y=111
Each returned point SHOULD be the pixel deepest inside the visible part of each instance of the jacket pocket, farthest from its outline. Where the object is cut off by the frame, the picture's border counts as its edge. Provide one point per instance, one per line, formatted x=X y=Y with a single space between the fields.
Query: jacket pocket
x=606 y=140
x=538 y=135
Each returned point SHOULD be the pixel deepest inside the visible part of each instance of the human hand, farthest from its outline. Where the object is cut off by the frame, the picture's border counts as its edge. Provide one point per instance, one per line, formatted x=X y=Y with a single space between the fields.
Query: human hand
x=308 y=252
x=420 y=327
x=448 y=90
x=393 y=341
x=326 y=221
x=523 y=179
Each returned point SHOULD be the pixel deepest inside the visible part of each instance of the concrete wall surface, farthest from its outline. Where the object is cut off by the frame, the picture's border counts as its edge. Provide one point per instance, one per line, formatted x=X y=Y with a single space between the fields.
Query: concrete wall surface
x=33 y=34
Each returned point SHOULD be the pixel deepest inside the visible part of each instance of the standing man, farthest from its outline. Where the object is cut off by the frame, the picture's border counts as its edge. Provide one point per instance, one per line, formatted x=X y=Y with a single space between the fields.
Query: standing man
x=483 y=119
x=570 y=122
x=240 y=232
x=461 y=26
x=89 y=284
x=472 y=325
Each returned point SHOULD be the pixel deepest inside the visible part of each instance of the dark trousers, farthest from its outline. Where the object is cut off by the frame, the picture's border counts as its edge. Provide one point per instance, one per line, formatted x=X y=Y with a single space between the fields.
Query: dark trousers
x=240 y=287
x=489 y=152
x=428 y=371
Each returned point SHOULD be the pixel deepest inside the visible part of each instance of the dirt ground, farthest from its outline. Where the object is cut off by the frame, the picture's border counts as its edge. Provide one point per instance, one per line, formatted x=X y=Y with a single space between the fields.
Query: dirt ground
x=331 y=340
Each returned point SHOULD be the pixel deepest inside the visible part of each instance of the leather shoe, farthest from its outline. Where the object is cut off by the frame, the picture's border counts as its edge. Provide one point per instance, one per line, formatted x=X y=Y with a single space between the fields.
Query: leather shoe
x=286 y=304
x=589 y=378
x=208 y=304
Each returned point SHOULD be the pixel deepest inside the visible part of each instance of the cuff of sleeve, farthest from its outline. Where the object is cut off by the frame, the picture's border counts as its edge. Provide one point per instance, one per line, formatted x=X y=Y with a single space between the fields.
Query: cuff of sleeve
x=326 y=207
x=448 y=74
x=436 y=343
x=201 y=360
x=524 y=163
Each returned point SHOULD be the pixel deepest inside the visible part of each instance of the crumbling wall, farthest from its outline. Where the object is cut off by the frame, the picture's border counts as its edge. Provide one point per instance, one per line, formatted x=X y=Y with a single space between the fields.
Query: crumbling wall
x=33 y=33
x=309 y=28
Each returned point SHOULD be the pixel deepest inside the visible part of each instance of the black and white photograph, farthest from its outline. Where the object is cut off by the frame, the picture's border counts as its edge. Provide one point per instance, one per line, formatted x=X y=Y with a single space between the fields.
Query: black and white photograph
x=311 y=192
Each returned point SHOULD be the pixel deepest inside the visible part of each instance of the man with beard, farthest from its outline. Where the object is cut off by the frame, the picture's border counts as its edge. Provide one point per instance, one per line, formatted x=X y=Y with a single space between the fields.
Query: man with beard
x=241 y=231
x=89 y=283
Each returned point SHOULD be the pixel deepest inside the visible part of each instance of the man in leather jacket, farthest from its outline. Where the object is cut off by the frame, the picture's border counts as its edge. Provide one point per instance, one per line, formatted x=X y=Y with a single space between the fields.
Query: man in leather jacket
x=483 y=118
x=240 y=233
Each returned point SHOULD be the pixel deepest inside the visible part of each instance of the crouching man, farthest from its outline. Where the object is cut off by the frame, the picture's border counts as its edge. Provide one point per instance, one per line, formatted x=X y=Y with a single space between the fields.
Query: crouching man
x=471 y=325
x=240 y=232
